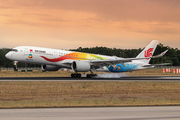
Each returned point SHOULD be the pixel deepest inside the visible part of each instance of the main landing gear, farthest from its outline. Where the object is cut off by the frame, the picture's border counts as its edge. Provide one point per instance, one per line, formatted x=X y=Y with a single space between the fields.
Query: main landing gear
x=76 y=75
x=91 y=75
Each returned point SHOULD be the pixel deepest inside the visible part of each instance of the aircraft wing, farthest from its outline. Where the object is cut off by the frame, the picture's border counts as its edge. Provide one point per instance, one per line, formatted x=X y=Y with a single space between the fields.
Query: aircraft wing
x=110 y=62
x=102 y=63
x=115 y=61
x=156 y=64
x=121 y=60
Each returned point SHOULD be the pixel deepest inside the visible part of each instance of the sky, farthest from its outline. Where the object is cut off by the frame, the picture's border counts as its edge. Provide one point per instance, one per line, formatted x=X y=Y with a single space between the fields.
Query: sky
x=69 y=24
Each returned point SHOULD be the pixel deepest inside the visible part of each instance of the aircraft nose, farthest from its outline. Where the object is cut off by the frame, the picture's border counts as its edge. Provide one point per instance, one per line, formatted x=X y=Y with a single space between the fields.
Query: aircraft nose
x=8 y=55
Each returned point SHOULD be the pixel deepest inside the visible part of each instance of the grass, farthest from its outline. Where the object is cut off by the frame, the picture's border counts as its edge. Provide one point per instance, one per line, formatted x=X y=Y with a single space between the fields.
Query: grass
x=34 y=73
x=70 y=94
x=151 y=72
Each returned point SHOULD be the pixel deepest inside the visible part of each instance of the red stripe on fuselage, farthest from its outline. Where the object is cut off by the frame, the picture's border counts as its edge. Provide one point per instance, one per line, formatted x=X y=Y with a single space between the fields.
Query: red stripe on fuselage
x=55 y=59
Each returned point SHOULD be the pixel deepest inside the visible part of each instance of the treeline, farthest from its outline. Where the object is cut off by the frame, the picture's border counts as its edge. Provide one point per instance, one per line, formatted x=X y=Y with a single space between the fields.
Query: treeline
x=172 y=56
x=3 y=61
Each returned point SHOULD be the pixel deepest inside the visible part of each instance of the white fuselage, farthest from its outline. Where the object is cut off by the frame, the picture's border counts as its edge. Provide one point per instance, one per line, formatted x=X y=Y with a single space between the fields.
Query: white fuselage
x=46 y=56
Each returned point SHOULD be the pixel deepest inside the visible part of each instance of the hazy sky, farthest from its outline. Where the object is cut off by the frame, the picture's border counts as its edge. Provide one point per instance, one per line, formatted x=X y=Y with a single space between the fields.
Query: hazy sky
x=66 y=24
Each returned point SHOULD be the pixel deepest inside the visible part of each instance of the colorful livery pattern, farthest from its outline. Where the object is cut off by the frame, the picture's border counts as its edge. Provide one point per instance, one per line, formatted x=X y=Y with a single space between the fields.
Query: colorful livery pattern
x=121 y=68
x=30 y=56
x=75 y=56
x=85 y=56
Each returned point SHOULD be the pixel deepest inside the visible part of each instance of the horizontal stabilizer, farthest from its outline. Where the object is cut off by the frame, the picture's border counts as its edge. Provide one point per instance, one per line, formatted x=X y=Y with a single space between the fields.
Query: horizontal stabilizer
x=160 y=55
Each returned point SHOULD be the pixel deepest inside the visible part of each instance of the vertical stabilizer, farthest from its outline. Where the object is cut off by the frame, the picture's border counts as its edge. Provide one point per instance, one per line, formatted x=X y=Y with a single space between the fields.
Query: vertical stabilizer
x=148 y=51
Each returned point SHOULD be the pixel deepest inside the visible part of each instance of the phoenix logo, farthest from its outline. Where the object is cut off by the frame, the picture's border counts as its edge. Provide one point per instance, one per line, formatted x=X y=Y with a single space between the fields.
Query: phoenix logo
x=148 y=53
x=30 y=56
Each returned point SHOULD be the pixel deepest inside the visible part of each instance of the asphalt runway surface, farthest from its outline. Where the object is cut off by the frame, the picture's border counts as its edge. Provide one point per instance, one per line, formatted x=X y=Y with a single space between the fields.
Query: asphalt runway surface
x=96 y=113
x=127 y=78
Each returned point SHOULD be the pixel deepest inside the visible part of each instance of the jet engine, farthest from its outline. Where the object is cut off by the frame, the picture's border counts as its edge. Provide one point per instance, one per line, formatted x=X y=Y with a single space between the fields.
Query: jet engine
x=50 y=67
x=81 y=66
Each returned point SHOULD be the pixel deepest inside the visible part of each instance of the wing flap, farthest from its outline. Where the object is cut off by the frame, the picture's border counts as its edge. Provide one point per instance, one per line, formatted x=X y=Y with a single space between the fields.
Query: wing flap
x=156 y=64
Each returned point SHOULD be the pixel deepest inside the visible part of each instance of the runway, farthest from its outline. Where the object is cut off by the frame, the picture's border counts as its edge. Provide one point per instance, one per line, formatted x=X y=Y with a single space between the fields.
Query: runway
x=127 y=78
x=96 y=113
x=93 y=113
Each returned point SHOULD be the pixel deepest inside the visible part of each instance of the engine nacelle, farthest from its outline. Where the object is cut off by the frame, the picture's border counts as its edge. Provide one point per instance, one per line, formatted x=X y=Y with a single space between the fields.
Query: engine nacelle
x=50 y=67
x=81 y=66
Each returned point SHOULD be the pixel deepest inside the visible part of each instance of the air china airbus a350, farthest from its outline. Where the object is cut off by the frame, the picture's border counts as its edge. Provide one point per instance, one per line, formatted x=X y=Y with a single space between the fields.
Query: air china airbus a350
x=53 y=60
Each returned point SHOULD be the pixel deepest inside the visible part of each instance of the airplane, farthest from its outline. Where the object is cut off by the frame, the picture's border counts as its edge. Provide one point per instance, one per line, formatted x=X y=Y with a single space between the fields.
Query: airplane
x=53 y=60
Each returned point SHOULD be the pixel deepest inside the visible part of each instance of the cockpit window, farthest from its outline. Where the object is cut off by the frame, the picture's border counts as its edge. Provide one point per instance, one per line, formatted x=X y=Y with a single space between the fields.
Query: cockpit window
x=15 y=50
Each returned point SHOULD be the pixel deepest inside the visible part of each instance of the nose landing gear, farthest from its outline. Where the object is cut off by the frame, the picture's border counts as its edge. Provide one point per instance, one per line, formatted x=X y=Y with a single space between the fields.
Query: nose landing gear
x=15 y=65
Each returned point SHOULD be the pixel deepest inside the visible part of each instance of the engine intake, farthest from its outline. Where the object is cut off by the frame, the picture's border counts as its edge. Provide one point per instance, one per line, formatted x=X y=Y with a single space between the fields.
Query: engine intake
x=50 y=67
x=81 y=66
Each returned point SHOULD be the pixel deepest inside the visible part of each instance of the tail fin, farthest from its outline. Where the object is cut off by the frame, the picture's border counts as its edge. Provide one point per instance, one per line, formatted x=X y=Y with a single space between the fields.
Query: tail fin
x=148 y=51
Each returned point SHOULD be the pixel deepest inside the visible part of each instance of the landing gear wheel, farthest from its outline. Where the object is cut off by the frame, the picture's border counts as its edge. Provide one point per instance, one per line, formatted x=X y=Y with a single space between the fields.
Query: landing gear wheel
x=91 y=75
x=79 y=75
x=76 y=75
x=88 y=76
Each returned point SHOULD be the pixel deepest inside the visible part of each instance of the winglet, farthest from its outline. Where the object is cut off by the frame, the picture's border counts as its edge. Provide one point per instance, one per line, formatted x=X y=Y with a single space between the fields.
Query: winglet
x=160 y=55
